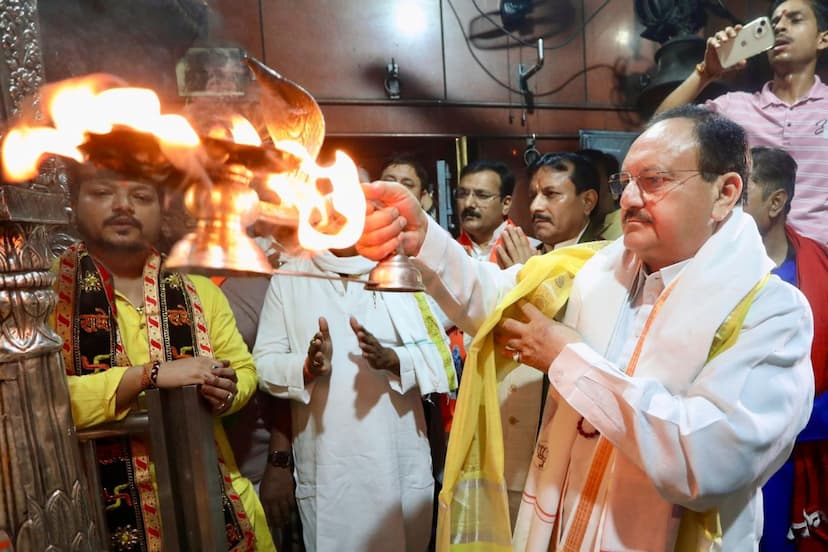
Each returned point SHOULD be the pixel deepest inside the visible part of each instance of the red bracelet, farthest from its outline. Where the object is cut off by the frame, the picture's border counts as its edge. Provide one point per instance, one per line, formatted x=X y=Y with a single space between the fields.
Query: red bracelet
x=307 y=375
x=145 y=376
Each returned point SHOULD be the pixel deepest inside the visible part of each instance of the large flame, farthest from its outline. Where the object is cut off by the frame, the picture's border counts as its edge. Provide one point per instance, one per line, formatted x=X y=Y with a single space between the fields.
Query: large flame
x=76 y=110
x=328 y=201
x=244 y=132
x=344 y=199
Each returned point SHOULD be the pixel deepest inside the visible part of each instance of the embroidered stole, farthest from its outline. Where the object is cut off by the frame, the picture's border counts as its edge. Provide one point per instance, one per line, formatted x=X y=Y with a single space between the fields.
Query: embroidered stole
x=86 y=320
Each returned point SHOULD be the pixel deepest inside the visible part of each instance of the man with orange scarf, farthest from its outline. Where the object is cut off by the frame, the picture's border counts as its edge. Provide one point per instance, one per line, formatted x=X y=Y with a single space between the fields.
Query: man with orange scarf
x=796 y=497
x=484 y=198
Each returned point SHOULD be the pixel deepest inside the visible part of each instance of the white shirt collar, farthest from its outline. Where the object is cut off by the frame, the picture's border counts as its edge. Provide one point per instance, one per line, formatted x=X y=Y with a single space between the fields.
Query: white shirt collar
x=572 y=241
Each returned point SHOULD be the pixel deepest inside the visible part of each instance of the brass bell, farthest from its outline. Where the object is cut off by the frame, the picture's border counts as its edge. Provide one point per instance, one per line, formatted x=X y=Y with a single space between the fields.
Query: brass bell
x=395 y=273
x=675 y=60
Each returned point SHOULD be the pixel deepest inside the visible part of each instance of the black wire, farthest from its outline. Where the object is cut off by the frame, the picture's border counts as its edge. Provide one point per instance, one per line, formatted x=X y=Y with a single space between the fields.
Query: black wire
x=500 y=82
x=572 y=78
x=474 y=56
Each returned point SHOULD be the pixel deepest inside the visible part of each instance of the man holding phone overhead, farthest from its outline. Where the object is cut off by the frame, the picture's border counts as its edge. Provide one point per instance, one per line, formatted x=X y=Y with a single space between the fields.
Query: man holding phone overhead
x=789 y=112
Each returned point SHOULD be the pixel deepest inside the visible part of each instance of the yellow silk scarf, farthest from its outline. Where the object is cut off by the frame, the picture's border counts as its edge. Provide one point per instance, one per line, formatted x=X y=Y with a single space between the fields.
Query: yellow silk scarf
x=474 y=512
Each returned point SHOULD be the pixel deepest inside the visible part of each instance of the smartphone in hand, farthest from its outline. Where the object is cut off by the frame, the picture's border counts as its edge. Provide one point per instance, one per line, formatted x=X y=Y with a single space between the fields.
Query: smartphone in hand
x=754 y=38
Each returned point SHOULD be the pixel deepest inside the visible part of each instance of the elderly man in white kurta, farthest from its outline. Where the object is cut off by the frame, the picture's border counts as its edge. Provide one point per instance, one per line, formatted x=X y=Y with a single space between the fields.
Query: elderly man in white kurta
x=681 y=375
x=363 y=467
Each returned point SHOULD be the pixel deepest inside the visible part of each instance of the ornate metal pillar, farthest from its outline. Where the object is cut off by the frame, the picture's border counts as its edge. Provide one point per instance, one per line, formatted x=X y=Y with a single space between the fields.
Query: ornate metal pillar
x=44 y=503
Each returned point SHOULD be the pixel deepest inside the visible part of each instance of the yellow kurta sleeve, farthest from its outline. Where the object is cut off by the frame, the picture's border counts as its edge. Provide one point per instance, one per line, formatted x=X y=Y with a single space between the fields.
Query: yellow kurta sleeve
x=224 y=337
x=93 y=397
x=226 y=340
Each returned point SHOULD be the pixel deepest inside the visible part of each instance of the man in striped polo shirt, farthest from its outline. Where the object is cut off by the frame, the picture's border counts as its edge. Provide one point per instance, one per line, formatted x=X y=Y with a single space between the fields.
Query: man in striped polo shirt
x=790 y=112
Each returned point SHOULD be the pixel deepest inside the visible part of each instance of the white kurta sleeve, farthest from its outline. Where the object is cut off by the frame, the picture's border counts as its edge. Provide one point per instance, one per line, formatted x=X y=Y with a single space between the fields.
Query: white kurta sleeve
x=407 y=379
x=476 y=286
x=732 y=427
x=279 y=367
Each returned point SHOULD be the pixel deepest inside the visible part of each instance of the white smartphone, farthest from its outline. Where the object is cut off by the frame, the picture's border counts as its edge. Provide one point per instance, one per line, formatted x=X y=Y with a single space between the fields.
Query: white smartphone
x=754 y=38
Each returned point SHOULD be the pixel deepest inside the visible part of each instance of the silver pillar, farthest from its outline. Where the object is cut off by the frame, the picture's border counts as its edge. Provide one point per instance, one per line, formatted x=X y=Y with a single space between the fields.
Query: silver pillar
x=44 y=503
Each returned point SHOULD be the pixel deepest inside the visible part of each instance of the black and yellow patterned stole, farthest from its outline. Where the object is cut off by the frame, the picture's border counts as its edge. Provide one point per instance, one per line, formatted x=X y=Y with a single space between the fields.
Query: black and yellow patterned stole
x=86 y=320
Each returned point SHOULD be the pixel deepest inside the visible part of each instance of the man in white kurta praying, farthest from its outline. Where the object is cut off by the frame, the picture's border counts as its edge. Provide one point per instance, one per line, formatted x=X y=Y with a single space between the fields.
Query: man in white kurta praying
x=680 y=375
x=354 y=363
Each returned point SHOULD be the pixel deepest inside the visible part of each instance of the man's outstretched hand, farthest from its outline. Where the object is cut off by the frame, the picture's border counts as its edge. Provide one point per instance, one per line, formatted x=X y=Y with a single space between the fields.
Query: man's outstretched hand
x=393 y=216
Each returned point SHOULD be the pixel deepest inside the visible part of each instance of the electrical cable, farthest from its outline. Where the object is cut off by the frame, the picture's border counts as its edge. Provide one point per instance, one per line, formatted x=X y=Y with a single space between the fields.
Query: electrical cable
x=493 y=77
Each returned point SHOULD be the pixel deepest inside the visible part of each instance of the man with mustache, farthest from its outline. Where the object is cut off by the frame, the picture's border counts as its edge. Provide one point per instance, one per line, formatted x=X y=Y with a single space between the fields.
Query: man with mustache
x=789 y=111
x=564 y=191
x=484 y=197
x=679 y=376
x=128 y=325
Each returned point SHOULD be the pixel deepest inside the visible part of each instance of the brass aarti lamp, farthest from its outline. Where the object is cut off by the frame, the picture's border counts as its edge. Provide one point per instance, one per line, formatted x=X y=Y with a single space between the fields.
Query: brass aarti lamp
x=224 y=176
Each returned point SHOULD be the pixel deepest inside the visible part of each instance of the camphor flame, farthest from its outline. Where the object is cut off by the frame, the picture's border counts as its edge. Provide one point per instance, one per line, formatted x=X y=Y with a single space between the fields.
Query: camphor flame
x=244 y=132
x=345 y=197
x=328 y=218
x=77 y=109
x=236 y=129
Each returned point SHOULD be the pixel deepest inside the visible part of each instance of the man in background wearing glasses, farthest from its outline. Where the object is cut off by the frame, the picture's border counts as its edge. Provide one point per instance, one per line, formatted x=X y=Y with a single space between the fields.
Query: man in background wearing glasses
x=681 y=373
x=484 y=197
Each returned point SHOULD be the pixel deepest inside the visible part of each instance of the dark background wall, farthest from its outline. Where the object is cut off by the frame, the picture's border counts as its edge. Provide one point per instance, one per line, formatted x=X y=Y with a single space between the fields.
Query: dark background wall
x=458 y=71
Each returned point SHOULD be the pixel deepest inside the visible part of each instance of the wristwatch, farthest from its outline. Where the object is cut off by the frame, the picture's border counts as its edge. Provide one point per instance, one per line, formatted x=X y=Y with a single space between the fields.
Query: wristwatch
x=280 y=459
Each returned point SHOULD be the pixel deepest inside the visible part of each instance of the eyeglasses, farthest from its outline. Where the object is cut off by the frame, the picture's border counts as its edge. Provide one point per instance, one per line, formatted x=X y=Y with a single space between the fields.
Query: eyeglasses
x=479 y=195
x=649 y=181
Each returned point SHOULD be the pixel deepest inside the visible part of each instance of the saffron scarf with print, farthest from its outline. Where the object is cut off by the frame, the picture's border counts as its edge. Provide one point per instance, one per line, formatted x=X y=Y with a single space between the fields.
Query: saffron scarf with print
x=86 y=320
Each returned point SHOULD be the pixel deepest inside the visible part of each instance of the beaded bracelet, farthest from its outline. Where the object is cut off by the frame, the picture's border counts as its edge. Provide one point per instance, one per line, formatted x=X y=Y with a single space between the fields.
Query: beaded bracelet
x=153 y=376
